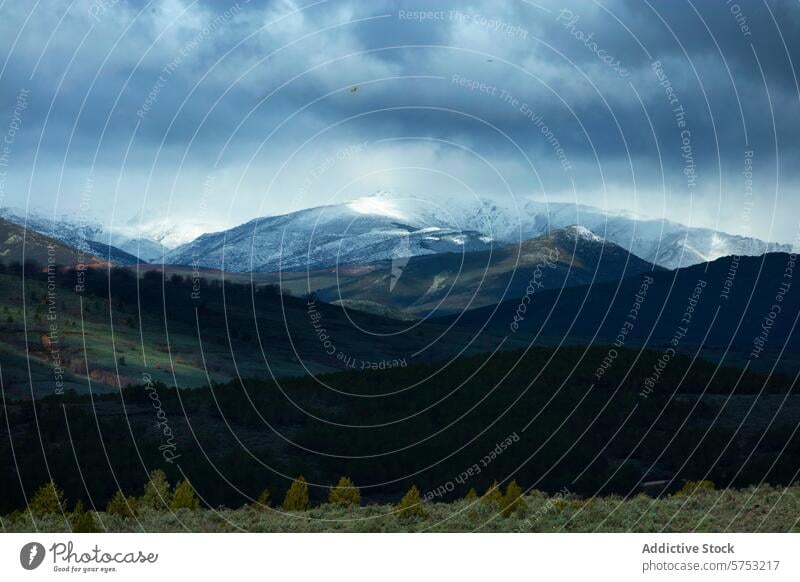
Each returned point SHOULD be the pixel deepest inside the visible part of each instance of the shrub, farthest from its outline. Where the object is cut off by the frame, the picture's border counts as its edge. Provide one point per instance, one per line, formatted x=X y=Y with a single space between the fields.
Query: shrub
x=345 y=493
x=184 y=497
x=410 y=505
x=156 y=492
x=493 y=494
x=48 y=499
x=263 y=501
x=513 y=501
x=560 y=504
x=122 y=506
x=692 y=487
x=82 y=521
x=297 y=496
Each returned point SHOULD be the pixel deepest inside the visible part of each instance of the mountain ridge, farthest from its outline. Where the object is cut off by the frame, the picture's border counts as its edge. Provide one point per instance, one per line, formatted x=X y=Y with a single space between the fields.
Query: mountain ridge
x=385 y=226
x=80 y=232
x=727 y=300
x=388 y=227
x=452 y=282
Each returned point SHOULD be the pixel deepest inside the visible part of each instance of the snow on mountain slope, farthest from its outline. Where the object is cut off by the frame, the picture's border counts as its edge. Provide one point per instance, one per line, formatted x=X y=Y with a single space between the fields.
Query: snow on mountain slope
x=86 y=233
x=321 y=237
x=385 y=226
x=168 y=234
x=663 y=242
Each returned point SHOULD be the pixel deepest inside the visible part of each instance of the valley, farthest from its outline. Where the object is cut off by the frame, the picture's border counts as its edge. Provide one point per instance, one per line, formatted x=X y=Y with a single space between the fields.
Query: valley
x=610 y=374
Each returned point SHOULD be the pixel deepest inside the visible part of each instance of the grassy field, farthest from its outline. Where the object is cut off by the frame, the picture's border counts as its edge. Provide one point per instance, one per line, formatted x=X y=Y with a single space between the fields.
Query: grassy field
x=756 y=509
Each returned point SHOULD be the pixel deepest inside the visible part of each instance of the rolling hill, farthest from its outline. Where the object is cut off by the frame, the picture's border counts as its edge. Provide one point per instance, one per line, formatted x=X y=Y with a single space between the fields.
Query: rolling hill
x=19 y=245
x=745 y=306
x=188 y=332
x=452 y=282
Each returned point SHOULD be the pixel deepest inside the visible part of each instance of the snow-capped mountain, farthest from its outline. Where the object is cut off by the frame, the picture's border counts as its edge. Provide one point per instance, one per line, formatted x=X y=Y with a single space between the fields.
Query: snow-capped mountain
x=89 y=234
x=168 y=234
x=384 y=226
x=322 y=237
x=659 y=241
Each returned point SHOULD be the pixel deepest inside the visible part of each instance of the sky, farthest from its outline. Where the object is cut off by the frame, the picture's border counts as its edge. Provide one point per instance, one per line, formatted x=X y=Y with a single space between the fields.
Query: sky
x=205 y=114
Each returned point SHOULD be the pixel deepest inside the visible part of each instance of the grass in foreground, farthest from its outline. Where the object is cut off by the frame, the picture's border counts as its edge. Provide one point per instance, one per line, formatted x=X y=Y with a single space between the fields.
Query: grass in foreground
x=756 y=509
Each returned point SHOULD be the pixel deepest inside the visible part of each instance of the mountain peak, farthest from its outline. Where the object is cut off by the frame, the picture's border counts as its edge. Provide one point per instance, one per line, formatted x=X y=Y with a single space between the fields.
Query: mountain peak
x=380 y=204
x=577 y=233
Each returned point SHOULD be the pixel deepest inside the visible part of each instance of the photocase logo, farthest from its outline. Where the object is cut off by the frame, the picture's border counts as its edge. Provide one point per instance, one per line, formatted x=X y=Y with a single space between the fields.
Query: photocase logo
x=31 y=555
x=402 y=254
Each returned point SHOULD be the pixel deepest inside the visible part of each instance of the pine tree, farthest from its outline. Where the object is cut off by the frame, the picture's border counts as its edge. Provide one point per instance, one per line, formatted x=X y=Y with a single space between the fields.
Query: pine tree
x=48 y=499
x=156 y=492
x=513 y=501
x=345 y=493
x=472 y=495
x=122 y=506
x=410 y=505
x=82 y=521
x=297 y=496
x=184 y=497
x=493 y=494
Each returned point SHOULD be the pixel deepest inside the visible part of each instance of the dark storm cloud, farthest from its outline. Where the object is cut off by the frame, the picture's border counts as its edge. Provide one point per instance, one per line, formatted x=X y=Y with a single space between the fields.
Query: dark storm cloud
x=188 y=82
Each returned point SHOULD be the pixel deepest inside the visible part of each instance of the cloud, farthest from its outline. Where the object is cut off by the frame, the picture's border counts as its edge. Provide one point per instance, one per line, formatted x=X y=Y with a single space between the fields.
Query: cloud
x=152 y=98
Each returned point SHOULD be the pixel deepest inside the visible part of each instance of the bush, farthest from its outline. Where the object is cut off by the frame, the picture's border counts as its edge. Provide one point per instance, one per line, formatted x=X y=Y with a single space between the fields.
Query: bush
x=184 y=497
x=560 y=504
x=493 y=495
x=82 y=521
x=513 y=501
x=263 y=501
x=156 y=492
x=122 y=506
x=692 y=487
x=297 y=496
x=410 y=505
x=345 y=493
x=48 y=499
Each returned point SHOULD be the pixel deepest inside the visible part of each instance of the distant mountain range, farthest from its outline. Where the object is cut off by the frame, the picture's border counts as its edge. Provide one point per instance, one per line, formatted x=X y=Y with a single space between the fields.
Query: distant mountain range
x=81 y=232
x=322 y=237
x=385 y=227
x=19 y=245
x=659 y=241
x=388 y=227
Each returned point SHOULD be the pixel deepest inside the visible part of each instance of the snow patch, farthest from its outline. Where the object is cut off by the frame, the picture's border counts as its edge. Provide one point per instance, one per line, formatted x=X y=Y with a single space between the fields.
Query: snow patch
x=578 y=232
